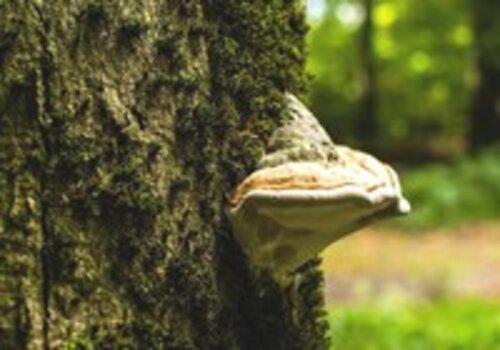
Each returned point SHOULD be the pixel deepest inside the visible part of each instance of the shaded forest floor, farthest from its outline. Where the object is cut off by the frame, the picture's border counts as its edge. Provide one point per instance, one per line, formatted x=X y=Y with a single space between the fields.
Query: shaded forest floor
x=393 y=290
x=442 y=263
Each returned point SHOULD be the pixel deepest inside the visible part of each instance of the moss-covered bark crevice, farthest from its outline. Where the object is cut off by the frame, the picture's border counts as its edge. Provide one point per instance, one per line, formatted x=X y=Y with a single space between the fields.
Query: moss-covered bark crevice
x=123 y=127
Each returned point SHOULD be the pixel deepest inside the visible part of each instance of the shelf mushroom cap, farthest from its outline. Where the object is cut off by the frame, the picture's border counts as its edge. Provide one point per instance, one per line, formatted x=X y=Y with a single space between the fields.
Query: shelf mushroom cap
x=289 y=211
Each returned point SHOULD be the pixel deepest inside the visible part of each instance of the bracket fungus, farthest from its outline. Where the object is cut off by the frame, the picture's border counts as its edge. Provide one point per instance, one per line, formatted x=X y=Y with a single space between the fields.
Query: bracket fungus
x=308 y=193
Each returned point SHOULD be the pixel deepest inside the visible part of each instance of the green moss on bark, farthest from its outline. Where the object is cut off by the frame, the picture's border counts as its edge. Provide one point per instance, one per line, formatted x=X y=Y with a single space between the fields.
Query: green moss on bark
x=123 y=128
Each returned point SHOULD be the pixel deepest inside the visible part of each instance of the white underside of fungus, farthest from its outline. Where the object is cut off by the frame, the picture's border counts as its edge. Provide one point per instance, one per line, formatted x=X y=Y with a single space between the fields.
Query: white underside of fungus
x=309 y=194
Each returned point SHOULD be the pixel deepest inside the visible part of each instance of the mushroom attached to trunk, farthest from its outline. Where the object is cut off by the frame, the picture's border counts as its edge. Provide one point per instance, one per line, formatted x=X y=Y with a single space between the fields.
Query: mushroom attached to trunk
x=307 y=194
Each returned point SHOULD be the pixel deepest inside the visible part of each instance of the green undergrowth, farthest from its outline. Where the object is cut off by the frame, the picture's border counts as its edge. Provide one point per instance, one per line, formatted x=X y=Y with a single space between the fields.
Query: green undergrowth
x=445 y=325
x=449 y=194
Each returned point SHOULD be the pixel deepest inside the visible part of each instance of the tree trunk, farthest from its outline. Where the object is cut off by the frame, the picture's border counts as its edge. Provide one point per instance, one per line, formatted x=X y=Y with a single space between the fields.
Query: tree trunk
x=123 y=127
x=367 y=123
x=485 y=115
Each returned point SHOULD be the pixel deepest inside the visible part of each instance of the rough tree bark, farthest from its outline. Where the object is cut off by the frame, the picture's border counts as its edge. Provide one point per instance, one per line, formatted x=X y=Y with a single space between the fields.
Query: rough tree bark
x=485 y=114
x=123 y=127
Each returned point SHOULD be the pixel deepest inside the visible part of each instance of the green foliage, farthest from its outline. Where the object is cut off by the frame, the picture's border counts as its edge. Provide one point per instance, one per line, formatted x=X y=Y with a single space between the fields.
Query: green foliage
x=424 y=72
x=448 y=194
x=448 y=324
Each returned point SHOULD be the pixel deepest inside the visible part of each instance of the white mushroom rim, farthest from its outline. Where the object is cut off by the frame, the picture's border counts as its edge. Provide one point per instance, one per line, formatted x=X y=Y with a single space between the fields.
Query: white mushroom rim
x=287 y=214
x=308 y=194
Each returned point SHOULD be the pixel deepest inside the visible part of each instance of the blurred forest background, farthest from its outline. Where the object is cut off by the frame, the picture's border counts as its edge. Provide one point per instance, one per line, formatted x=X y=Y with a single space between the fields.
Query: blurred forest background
x=418 y=84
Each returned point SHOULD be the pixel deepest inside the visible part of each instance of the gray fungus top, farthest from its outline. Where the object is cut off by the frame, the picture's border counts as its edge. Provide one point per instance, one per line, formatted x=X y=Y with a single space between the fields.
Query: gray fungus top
x=300 y=138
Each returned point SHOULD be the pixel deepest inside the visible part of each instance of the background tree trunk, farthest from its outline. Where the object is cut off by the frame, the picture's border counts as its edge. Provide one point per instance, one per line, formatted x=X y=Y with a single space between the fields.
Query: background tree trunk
x=123 y=126
x=367 y=124
x=485 y=115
